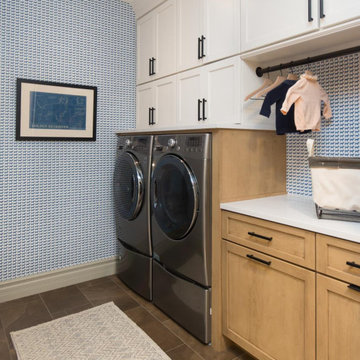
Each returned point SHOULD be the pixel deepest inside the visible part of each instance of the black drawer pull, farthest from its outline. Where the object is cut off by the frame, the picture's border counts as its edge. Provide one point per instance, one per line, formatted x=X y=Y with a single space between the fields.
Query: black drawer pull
x=353 y=263
x=203 y=109
x=354 y=287
x=260 y=236
x=150 y=67
x=202 y=46
x=322 y=14
x=153 y=66
x=257 y=259
x=310 y=18
x=199 y=48
x=199 y=110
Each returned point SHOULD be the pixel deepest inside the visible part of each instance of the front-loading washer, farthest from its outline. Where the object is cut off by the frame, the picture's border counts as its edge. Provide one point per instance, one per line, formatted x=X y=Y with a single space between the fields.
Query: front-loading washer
x=181 y=229
x=132 y=212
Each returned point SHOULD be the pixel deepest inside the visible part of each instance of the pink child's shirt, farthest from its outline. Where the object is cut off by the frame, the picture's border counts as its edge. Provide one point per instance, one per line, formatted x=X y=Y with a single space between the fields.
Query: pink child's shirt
x=307 y=95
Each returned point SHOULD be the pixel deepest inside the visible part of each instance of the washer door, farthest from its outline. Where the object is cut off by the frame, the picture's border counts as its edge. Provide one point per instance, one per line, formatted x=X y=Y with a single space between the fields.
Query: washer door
x=128 y=186
x=175 y=196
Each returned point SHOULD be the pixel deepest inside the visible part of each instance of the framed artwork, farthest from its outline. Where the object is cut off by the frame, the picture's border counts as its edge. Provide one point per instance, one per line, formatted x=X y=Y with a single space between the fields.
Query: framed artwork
x=55 y=111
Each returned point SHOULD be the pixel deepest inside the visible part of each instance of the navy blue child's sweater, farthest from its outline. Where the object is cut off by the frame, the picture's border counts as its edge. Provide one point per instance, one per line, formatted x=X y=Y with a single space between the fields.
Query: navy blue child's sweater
x=284 y=123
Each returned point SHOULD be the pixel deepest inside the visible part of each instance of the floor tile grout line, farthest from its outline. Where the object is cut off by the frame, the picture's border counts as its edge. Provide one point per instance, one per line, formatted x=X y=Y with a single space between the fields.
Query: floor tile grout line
x=46 y=307
x=175 y=347
x=91 y=303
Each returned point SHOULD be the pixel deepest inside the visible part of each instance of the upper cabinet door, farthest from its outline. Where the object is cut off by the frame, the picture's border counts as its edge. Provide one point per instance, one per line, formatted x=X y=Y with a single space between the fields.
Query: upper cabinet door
x=333 y=12
x=190 y=15
x=165 y=102
x=165 y=58
x=144 y=104
x=266 y=22
x=223 y=91
x=222 y=29
x=146 y=32
x=190 y=97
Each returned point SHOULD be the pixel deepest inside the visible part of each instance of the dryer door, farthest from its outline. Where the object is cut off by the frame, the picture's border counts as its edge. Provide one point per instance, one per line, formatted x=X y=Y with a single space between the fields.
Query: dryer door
x=128 y=186
x=175 y=196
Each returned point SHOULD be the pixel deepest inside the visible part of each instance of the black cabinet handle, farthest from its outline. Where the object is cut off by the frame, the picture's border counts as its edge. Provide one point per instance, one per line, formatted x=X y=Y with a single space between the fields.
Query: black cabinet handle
x=310 y=18
x=202 y=46
x=150 y=116
x=322 y=15
x=354 y=287
x=353 y=263
x=252 y=257
x=153 y=66
x=150 y=66
x=199 y=48
x=260 y=236
x=199 y=110
x=203 y=108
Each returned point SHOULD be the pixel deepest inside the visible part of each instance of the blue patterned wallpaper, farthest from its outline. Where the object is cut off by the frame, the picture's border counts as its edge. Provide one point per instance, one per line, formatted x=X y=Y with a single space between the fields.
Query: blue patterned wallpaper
x=340 y=77
x=56 y=206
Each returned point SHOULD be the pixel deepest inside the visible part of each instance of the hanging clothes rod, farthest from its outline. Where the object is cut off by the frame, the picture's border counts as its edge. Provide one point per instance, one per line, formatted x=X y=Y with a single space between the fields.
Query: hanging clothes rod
x=260 y=71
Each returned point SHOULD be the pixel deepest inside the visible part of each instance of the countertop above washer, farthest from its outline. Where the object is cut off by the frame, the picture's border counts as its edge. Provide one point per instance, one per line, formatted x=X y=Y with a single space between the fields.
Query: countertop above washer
x=297 y=211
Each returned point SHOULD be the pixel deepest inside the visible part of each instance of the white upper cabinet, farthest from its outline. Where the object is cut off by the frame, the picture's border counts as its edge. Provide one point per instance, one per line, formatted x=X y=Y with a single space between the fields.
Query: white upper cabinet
x=207 y=30
x=156 y=41
x=156 y=103
x=264 y=22
x=191 y=93
x=223 y=91
x=210 y=94
x=333 y=12
x=222 y=29
x=146 y=46
x=145 y=101
x=190 y=33
x=165 y=102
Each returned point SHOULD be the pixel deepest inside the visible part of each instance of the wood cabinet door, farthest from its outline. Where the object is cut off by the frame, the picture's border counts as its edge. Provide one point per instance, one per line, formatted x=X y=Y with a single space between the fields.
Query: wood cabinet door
x=146 y=33
x=222 y=29
x=165 y=102
x=338 y=320
x=335 y=11
x=267 y=22
x=189 y=28
x=190 y=94
x=222 y=83
x=268 y=305
x=165 y=58
x=144 y=101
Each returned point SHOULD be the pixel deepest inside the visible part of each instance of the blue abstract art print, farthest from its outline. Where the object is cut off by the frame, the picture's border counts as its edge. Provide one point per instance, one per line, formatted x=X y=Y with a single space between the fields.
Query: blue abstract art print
x=55 y=111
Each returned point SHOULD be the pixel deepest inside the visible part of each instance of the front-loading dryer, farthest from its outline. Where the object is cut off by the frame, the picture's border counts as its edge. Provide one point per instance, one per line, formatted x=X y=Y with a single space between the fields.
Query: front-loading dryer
x=132 y=212
x=181 y=229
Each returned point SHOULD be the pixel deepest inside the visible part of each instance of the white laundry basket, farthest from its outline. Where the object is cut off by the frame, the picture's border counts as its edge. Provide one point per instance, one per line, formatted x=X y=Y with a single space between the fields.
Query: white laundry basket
x=336 y=186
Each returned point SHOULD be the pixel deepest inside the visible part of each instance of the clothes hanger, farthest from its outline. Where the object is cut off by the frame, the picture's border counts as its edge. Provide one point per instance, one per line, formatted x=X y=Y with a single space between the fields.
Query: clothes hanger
x=280 y=79
x=267 y=82
x=291 y=75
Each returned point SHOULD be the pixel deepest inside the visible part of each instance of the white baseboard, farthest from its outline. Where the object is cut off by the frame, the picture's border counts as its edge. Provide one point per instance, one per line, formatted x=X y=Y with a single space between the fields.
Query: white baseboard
x=34 y=284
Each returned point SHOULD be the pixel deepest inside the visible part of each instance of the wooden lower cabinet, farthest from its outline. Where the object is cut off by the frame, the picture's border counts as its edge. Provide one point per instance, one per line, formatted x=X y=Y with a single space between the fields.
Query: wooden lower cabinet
x=338 y=320
x=268 y=305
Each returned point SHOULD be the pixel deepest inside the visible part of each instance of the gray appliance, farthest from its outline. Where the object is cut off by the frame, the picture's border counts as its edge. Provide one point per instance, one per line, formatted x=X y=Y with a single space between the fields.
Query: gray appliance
x=181 y=230
x=132 y=212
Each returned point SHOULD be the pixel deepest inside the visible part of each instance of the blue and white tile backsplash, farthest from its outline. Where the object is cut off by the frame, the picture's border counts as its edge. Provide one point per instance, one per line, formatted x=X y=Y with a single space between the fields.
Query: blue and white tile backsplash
x=340 y=77
x=56 y=207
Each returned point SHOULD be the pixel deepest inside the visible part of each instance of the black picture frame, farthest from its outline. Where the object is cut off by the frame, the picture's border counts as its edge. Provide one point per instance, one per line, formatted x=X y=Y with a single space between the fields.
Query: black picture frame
x=55 y=111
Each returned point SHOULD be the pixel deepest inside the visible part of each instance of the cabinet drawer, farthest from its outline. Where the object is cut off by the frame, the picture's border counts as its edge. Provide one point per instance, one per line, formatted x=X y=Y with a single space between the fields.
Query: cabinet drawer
x=285 y=242
x=268 y=304
x=338 y=258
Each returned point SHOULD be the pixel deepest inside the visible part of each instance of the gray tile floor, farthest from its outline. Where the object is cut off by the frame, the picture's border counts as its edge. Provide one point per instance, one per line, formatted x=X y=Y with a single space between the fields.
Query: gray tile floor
x=32 y=310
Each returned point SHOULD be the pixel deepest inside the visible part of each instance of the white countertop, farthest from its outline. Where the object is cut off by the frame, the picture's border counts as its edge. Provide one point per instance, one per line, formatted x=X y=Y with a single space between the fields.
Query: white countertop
x=198 y=127
x=297 y=211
